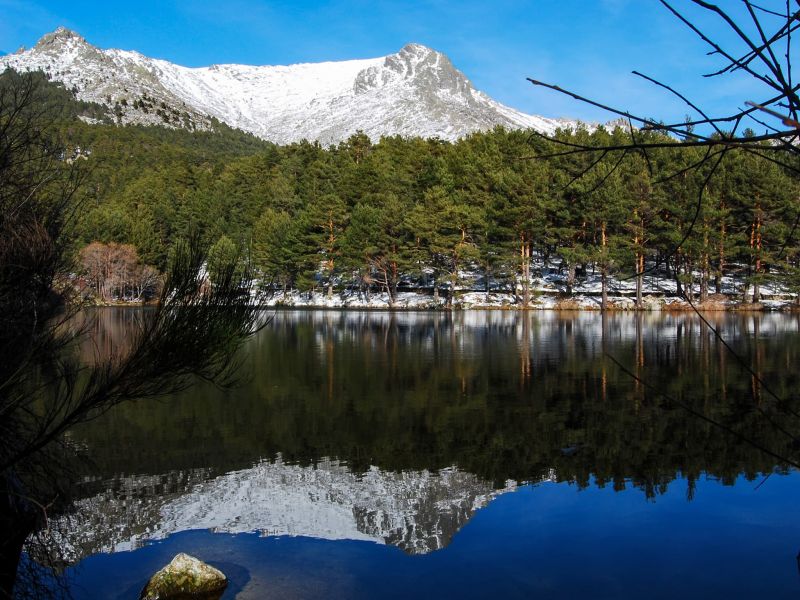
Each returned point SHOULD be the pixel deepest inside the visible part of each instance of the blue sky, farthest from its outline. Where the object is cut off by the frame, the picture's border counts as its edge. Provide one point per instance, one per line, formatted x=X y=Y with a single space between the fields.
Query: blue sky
x=590 y=46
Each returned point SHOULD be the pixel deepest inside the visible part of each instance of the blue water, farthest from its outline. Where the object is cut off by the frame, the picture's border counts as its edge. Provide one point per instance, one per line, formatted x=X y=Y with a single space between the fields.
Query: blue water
x=549 y=540
x=397 y=427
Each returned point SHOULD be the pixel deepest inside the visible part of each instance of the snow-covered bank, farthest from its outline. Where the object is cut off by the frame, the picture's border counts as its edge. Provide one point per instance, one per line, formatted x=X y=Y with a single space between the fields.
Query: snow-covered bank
x=548 y=291
x=501 y=301
x=506 y=301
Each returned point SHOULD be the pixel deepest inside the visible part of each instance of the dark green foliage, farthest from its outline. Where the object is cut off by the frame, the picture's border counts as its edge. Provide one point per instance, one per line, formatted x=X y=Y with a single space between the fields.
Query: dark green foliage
x=367 y=215
x=274 y=248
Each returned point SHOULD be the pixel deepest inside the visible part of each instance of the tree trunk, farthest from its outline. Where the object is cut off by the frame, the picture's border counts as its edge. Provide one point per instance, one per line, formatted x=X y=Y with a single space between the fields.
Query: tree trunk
x=603 y=270
x=385 y=284
x=704 y=280
x=703 y=287
x=705 y=263
x=395 y=282
x=638 y=244
x=525 y=253
x=570 y=278
x=677 y=274
x=639 y=278
x=757 y=283
x=721 y=268
x=603 y=290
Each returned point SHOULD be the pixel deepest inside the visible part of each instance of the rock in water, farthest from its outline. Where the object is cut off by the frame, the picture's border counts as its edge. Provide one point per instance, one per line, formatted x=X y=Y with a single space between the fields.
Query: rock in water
x=185 y=578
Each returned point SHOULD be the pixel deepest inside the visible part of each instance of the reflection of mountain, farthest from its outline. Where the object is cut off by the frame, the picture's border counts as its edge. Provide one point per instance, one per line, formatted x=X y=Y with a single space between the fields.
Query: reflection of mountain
x=417 y=511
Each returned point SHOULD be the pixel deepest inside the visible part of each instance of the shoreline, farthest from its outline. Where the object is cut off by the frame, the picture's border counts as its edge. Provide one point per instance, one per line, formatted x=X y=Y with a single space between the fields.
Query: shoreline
x=410 y=301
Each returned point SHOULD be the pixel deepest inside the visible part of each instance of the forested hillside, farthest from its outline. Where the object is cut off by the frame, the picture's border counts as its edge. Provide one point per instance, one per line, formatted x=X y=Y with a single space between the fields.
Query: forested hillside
x=482 y=213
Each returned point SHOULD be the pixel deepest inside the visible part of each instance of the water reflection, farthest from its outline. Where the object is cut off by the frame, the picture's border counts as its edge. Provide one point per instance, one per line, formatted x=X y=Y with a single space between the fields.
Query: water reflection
x=416 y=511
x=397 y=427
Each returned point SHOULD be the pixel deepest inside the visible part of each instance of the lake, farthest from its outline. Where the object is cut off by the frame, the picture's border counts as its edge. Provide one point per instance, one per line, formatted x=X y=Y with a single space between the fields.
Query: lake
x=467 y=454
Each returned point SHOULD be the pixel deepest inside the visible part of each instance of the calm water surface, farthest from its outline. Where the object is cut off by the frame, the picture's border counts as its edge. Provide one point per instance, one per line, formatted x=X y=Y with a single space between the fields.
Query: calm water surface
x=371 y=455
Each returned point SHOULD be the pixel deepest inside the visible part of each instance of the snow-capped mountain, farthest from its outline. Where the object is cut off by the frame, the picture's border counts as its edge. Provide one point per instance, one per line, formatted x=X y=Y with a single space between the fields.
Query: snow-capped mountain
x=417 y=511
x=415 y=92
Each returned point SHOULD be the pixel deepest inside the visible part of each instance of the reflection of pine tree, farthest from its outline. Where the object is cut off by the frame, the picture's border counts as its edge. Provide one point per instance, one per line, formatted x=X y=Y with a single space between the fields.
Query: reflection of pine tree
x=510 y=399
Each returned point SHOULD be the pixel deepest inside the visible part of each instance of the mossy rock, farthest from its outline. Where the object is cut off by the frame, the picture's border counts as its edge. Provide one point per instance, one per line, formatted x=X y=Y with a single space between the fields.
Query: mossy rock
x=185 y=578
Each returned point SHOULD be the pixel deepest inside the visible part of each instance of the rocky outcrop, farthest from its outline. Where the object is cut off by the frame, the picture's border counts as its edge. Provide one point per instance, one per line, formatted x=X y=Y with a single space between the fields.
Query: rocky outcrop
x=185 y=578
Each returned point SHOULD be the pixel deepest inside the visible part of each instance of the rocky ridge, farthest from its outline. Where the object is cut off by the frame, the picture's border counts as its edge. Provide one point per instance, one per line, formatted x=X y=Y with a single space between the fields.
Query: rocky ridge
x=415 y=92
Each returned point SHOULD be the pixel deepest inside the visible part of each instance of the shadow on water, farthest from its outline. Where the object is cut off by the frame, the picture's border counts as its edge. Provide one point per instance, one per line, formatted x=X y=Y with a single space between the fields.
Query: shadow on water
x=238 y=577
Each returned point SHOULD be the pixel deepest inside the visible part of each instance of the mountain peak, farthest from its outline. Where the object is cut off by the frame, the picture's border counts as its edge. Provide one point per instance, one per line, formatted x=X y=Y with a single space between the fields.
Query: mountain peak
x=60 y=35
x=418 y=49
x=65 y=32
x=414 y=53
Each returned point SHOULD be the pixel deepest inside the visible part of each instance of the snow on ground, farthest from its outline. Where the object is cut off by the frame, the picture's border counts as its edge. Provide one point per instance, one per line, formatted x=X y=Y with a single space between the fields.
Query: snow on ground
x=547 y=292
x=498 y=300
